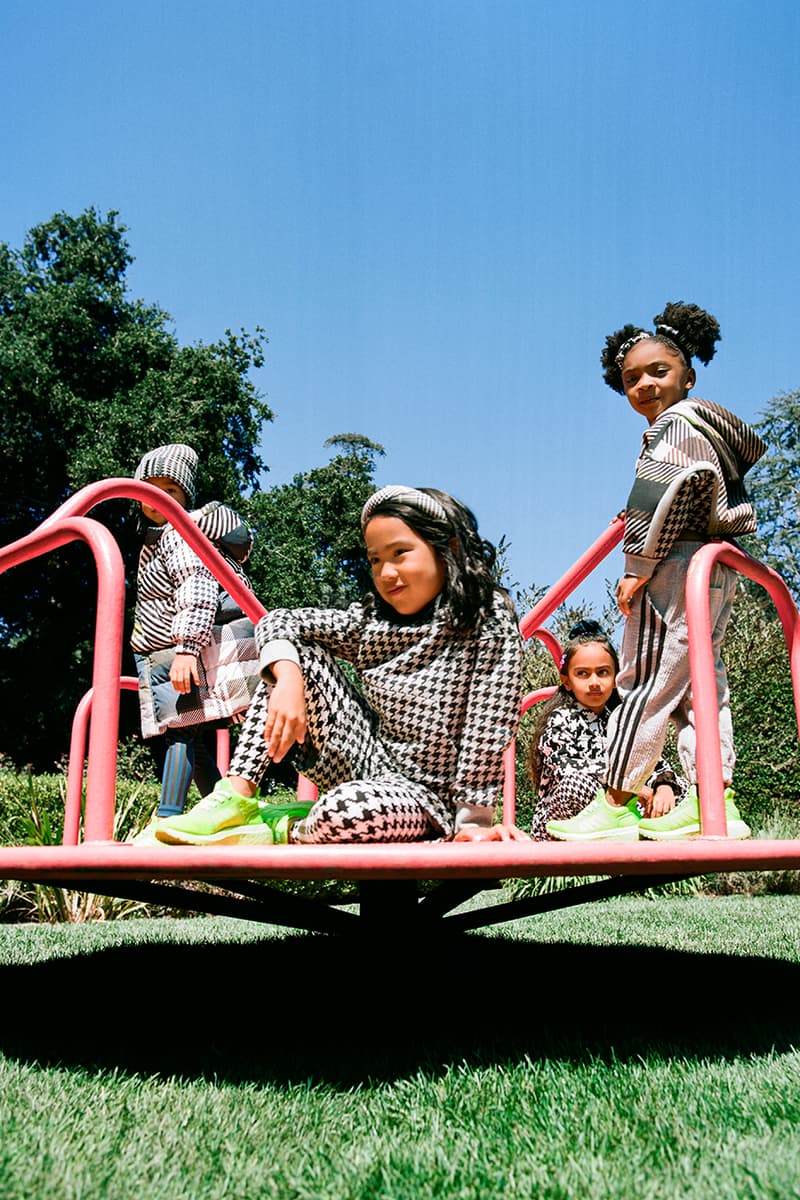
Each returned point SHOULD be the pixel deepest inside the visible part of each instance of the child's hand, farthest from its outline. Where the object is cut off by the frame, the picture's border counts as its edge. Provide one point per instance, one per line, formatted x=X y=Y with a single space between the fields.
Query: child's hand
x=183 y=672
x=627 y=588
x=661 y=802
x=491 y=833
x=286 y=711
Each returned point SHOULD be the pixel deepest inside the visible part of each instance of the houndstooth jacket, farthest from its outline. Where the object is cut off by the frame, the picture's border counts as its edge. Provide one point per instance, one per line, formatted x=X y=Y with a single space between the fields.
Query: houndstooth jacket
x=689 y=482
x=446 y=706
x=176 y=595
x=182 y=608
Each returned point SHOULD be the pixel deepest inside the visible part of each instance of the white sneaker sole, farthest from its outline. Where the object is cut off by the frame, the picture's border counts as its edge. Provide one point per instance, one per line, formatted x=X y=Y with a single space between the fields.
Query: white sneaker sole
x=236 y=835
x=626 y=834
x=737 y=830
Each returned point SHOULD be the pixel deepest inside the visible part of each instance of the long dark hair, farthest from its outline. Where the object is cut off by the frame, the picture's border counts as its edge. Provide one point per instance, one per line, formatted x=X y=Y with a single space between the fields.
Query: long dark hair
x=585 y=633
x=469 y=559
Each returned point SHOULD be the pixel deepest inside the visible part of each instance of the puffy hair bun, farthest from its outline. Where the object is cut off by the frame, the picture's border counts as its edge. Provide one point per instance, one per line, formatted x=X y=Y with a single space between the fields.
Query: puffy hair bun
x=698 y=332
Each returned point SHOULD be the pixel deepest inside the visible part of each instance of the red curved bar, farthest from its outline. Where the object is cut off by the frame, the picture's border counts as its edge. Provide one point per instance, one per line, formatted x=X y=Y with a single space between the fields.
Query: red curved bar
x=132 y=489
x=572 y=578
x=701 y=664
x=102 y=770
x=77 y=758
x=510 y=759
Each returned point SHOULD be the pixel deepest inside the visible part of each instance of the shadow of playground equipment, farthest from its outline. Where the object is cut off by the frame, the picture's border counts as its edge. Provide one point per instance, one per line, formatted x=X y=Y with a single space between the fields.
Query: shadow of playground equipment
x=300 y=1008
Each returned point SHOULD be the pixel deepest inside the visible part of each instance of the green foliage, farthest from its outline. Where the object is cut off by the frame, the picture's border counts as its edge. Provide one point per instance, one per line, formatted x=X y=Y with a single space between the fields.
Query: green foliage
x=308 y=548
x=767 y=776
x=774 y=486
x=89 y=380
x=32 y=814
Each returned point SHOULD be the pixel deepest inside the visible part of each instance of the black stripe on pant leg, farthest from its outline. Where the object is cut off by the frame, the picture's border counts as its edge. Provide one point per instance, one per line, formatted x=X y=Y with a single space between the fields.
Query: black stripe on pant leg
x=650 y=651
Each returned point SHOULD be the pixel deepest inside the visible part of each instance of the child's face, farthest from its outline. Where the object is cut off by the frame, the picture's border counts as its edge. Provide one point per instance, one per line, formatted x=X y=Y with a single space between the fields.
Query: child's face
x=655 y=378
x=407 y=571
x=172 y=489
x=590 y=676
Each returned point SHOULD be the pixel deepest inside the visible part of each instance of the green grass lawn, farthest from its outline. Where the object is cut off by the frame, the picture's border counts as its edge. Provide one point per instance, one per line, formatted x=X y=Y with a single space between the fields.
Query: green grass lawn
x=636 y=1048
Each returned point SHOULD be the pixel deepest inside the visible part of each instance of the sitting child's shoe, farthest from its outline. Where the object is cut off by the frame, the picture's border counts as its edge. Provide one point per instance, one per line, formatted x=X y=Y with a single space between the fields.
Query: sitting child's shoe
x=147 y=836
x=222 y=809
x=684 y=820
x=269 y=828
x=599 y=821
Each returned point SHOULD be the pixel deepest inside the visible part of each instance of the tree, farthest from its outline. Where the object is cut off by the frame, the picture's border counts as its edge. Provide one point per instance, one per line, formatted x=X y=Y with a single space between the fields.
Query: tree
x=308 y=547
x=767 y=774
x=89 y=380
x=774 y=486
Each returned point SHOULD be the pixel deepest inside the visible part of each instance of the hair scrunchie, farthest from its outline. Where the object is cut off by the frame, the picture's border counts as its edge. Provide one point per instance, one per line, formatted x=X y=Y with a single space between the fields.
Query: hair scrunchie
x=409 y=495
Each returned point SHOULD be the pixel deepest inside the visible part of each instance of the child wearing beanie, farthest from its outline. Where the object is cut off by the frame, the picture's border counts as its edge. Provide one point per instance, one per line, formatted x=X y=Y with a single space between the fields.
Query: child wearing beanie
x=194 y=648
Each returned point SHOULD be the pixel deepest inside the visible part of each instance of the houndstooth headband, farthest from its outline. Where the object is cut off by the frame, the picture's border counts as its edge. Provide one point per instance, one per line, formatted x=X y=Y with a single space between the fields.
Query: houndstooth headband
x=642 y=335
x=409 y=495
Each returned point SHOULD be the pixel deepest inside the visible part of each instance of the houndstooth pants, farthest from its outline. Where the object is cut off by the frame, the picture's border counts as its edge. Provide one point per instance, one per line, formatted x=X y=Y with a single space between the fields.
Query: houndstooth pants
x=654 y=680
x=575 y=790
x=363 y=797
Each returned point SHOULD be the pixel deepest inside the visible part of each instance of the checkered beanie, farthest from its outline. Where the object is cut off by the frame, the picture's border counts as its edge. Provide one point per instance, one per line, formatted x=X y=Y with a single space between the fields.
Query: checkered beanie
x=177 y=462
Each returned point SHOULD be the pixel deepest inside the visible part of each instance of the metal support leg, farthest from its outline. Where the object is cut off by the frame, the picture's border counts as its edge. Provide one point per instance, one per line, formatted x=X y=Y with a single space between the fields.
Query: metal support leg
x=388 y=904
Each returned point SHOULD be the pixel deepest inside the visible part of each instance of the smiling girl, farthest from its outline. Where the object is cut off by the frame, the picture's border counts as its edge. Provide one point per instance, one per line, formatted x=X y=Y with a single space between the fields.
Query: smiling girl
x=688 y=490
x=416 y=750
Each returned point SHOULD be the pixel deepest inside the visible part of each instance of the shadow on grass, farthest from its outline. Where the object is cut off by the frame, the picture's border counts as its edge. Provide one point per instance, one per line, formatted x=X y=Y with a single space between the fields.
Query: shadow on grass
x=344 y=1012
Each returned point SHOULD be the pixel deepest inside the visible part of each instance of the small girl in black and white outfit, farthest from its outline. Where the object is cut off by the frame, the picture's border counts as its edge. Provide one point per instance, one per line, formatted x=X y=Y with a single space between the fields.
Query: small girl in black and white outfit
x=567 y=753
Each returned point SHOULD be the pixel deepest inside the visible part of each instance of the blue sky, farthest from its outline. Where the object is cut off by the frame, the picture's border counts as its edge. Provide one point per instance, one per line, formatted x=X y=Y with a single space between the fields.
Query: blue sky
x=437 y=209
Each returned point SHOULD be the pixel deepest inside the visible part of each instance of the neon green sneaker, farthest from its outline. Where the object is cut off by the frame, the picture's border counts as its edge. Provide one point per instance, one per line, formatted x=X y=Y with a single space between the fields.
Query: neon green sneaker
x=599 y=822
x=147 y=836
x=221 y=809
x=684 y=820
x=269 y=826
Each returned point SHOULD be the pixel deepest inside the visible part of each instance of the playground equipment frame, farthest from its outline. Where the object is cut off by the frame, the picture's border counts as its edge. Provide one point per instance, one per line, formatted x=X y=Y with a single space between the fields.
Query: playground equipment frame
x=388 y=876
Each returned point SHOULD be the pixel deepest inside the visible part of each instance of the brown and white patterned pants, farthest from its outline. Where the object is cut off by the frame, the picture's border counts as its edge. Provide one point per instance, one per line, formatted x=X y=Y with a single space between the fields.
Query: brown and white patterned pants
x=654 y=680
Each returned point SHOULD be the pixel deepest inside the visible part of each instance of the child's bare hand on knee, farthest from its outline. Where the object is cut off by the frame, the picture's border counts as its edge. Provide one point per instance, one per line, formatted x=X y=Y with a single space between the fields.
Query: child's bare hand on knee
x=286 y=713
x=491 y=833
x=662 y=801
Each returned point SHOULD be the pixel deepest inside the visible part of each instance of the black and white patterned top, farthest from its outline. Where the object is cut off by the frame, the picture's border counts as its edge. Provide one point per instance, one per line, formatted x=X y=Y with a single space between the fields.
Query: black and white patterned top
x=446 y=706
x=177 y=597
x=689 y=482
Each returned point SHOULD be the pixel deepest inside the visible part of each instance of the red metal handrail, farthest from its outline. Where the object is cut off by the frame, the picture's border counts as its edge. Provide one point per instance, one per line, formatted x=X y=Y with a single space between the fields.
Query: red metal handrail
x=102 y=770
x=710 y=784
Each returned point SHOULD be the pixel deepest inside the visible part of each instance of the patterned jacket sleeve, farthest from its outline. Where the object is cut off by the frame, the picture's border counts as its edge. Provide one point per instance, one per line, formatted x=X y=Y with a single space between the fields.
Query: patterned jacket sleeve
x=196 y=595
x=678 y=476
x=491 y=719
x=280 y=631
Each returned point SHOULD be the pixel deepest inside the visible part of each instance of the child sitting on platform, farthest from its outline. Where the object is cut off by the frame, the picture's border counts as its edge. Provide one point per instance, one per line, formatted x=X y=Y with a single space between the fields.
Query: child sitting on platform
x=567 y=753
x=417 y=752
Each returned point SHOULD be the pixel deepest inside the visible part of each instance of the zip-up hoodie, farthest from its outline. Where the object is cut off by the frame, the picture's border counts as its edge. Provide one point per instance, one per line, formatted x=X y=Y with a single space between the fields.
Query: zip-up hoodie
x=689 y=482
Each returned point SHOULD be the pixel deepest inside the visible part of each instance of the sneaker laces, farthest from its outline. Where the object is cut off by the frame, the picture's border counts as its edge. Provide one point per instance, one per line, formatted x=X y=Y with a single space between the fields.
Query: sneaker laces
x=210 y=801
